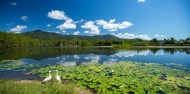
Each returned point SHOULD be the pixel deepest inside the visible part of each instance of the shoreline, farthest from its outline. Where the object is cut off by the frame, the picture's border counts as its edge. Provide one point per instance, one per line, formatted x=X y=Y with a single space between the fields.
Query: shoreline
x=161 y=46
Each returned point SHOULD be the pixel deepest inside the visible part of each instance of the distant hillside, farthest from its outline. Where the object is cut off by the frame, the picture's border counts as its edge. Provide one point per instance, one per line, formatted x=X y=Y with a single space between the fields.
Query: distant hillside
x=38 y=34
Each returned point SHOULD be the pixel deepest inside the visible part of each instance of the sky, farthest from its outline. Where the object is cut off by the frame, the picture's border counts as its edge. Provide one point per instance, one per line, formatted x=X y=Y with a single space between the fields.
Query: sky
x=145 y=19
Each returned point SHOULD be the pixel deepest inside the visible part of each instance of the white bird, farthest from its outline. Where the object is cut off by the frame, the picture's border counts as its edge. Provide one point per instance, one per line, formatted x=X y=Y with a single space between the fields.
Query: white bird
x=57 y=76
x=48 y=78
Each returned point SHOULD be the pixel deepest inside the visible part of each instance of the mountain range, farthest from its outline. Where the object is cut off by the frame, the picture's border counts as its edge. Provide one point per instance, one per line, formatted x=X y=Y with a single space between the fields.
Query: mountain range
x=39 y=34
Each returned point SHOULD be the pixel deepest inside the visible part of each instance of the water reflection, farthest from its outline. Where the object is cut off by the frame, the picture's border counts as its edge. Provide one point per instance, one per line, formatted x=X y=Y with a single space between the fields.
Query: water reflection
x=67 y=63
x=110 y=61
x=29 y=58
x=77 y=56
x=130 y=53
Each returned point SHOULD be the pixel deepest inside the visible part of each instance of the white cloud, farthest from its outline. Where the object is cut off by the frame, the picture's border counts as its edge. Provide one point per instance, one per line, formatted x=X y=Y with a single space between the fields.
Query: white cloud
x=111 y=26
x=55 y=32
x=63 y=31
x=76 y=33
x=131 y=53
x=86 y=31
x=133 y=36
x=13 y=4
x=66 y=25
x=93 y=29
x=161 y=36
x=18 y=28
x=48 y=25
x=141 y=1
x=80 y=21
x=24 y=18
x=58 y=15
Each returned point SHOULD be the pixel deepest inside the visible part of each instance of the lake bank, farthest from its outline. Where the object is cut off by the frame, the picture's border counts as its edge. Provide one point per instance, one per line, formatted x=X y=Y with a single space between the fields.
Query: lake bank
x=36 y=87
x=162 y=46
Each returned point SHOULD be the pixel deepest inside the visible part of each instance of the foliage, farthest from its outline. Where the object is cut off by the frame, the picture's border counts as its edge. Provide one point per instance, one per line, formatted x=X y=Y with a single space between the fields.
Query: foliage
x=17 y=66
x=124 y=77
x=8 y=40
x=40 y=38
x=38 y=34
x=155 y=42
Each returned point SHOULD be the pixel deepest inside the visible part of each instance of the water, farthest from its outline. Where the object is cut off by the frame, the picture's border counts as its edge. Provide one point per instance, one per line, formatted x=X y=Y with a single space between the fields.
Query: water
x=41 y=57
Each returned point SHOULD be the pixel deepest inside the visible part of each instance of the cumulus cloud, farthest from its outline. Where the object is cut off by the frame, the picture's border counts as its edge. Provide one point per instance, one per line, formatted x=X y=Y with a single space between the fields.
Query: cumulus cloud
x=76 y=33
x=67 y=25
x=18 y=28
x=161 y=36
x=141 y=1
x=13 y=4
x=58 y=15
x=92 y=28
x=133 y=36
x=111 y=26
x=24 y=18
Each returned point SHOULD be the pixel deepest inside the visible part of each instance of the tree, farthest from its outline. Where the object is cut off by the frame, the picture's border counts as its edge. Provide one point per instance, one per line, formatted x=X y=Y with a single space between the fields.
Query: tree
x=154 y=42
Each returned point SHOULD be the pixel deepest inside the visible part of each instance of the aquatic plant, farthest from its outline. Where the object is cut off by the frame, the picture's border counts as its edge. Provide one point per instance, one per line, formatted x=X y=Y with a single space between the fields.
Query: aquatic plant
x=17 y=66
x=124 y=77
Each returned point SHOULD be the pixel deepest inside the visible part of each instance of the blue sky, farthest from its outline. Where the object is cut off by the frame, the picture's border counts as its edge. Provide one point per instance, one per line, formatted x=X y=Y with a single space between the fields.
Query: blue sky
x=128 y=19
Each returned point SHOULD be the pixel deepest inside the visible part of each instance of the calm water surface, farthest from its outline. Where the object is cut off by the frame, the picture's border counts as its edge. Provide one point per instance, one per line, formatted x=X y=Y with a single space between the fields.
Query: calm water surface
x=41 y=57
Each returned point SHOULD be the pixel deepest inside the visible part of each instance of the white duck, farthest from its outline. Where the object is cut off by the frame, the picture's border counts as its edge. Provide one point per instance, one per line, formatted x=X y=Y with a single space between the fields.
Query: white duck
x=57 y=76
x=48 y=78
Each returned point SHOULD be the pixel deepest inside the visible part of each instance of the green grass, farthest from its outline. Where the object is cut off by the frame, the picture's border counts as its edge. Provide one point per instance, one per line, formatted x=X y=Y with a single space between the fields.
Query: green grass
x=35 y=87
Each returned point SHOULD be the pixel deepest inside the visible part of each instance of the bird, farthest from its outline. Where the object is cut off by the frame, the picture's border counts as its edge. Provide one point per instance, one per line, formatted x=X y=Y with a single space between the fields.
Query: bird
x=57 y=76
x=48 y=78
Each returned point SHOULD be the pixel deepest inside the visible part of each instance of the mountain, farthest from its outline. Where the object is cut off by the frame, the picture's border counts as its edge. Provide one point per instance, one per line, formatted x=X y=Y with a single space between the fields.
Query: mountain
x=39 y=34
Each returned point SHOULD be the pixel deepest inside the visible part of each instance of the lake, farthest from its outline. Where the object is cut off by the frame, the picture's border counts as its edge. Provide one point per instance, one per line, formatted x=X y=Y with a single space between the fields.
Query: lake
x=26 y=59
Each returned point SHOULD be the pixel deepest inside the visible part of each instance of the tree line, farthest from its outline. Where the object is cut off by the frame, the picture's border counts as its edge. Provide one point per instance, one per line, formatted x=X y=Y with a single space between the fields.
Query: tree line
x=10 y=40
x=170 y=42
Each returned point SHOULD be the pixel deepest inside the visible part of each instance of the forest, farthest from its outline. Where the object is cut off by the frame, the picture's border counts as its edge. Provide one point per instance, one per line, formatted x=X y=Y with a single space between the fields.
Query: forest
x=11 y=40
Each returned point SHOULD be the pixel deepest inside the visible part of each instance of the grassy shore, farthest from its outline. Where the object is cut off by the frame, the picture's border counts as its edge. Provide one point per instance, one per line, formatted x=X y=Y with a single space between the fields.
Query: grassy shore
x=36 y=87
x=162 y=46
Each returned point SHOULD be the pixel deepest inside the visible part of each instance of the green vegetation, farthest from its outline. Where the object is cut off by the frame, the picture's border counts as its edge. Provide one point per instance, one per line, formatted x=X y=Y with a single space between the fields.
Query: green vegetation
x=124 y=77
x=42 y=35
x=8 y=40
x=17 y=66
x=35 y=87
x=39 y=38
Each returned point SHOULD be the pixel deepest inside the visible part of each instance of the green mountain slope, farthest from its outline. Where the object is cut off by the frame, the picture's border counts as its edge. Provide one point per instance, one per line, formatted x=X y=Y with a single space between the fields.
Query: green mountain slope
x=38 y=34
